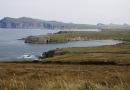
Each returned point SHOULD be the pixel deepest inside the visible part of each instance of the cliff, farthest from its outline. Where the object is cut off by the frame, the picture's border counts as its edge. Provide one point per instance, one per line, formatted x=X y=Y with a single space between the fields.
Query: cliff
x=25 y=22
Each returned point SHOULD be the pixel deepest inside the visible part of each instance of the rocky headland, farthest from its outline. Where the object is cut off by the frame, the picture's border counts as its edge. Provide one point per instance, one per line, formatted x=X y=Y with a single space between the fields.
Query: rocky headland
x=69 y=36
x=30 y=23
x=46 y=39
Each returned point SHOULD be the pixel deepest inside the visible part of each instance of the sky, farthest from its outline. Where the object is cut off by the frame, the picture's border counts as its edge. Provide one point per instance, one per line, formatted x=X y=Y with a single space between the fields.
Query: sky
x=74 y=11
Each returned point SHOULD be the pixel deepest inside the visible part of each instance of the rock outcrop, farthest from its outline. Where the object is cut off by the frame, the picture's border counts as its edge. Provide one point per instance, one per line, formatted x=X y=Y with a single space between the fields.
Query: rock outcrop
x=41 y=40
x=52 y=53
x=37 y=39
x=47 y=40
x=63 y=32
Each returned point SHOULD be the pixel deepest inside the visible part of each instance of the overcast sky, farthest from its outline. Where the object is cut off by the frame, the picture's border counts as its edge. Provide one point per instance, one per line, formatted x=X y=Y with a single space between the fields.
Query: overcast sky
x=76 y=11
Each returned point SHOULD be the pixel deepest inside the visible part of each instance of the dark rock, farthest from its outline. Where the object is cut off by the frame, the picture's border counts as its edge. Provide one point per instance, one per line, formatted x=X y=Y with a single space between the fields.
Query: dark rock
x=37 y=39
x=52 y=53
x=63 y=32
x=31 y=39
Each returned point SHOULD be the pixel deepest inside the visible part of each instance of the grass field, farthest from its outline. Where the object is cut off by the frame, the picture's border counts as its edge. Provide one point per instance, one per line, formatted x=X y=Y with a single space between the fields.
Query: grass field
x=17 y=76
x=111 y=34
x=119 y=53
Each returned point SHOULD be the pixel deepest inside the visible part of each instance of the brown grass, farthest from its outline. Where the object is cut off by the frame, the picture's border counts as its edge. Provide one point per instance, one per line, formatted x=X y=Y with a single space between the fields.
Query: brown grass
x=17 y=76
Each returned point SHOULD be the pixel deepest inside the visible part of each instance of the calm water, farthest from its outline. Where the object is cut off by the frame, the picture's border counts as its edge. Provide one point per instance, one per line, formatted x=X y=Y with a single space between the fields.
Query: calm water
x=13 y=49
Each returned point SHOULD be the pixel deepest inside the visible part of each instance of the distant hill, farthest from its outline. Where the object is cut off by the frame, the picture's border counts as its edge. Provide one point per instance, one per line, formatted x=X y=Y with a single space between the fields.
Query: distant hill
x=100 y=24
x=25 y=22
x=30 y=23
x=126 y=24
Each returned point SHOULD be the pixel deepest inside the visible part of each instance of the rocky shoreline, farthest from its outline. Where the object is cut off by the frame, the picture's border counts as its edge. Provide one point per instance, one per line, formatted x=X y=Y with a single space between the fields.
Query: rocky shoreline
x=52 y=53
x=41 y=40
x=45 y=39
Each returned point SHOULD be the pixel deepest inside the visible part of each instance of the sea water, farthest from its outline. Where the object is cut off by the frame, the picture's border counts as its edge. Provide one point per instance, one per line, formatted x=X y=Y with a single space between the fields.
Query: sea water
x=13 y=49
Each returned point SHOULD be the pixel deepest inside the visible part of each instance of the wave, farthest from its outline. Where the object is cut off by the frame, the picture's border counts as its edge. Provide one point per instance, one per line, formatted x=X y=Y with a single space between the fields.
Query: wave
x=28 y=57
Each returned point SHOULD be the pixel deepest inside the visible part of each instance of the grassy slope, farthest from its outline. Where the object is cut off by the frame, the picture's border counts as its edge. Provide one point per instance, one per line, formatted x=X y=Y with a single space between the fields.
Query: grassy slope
x=118 y=53
x=125 y=35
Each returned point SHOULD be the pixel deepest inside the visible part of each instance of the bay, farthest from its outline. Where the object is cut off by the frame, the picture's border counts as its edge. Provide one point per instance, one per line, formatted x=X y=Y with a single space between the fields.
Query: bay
x=13 y=49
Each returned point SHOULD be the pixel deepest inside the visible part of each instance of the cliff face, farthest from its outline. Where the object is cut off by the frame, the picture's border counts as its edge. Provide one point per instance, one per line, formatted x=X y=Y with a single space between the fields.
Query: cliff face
x=30 y=23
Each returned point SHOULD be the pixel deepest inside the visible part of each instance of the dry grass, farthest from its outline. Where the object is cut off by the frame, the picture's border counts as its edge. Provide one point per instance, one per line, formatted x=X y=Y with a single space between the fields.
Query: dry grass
x=17 y=76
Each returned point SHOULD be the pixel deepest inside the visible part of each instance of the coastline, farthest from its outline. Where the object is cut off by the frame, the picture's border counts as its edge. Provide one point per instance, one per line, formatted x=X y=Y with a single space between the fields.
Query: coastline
x=68 y=36
x=106 y=66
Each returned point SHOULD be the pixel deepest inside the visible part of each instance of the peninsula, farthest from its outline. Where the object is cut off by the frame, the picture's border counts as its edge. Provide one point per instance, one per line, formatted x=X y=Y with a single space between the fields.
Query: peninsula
x=67 y=36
